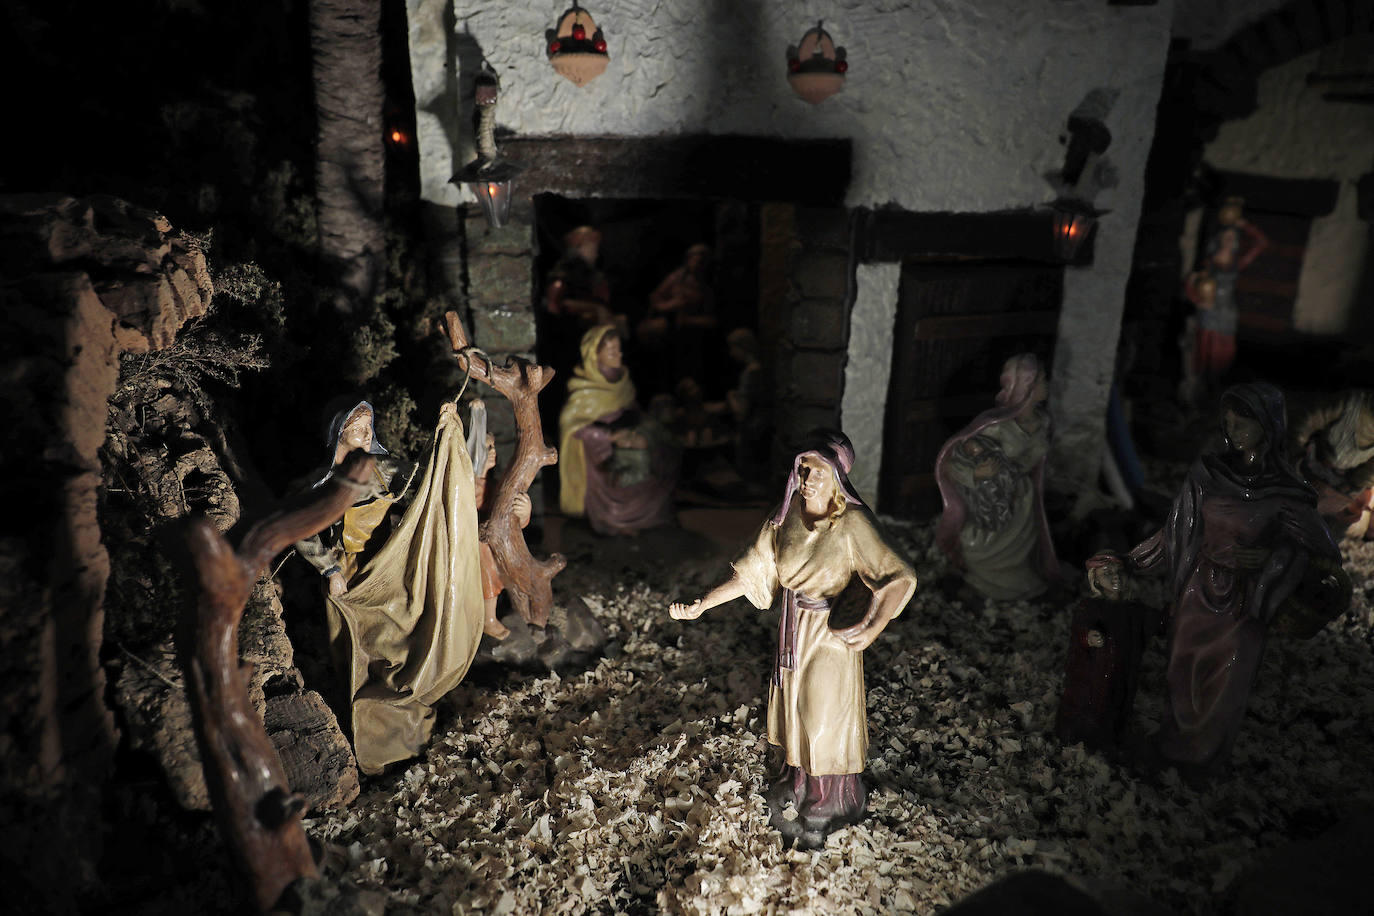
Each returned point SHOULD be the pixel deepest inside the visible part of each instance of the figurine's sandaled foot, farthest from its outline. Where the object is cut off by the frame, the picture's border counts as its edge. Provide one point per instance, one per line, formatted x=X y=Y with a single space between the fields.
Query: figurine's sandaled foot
x=495 y=628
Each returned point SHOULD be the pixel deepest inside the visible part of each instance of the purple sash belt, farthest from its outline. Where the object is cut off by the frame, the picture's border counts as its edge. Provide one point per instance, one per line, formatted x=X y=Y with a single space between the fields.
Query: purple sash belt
x=787 y=629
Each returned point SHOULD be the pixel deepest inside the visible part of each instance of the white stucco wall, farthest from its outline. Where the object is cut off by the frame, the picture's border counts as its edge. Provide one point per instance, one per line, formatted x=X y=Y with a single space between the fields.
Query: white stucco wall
x=952 y=105
x=1294 y=134
x=868 y=371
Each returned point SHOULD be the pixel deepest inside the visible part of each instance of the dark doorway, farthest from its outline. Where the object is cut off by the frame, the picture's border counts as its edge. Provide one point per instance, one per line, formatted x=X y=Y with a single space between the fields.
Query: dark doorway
x=957 y=322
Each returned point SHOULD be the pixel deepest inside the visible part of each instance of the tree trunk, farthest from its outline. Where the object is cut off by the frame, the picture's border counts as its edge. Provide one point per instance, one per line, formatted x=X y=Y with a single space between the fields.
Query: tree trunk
x=346 y=47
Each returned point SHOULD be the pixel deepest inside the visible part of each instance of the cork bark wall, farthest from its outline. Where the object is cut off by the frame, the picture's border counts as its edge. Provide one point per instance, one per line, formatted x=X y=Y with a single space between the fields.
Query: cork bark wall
x=86 y=280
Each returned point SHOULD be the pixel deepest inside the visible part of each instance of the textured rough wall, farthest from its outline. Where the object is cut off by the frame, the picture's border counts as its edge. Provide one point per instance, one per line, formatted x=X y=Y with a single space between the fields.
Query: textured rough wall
x=951 y=105
x=868 y=371
x=1295 y=134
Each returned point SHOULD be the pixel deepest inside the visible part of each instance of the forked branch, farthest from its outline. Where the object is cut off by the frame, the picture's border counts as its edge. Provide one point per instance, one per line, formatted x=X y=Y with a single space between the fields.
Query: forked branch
x=529 y=581
x=258 y=814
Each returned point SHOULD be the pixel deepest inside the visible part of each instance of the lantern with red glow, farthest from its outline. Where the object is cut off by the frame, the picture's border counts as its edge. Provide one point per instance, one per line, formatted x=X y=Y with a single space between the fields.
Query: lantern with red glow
x=816 y=67
x=489 y=175
x=1073 y=222
x=577 y=48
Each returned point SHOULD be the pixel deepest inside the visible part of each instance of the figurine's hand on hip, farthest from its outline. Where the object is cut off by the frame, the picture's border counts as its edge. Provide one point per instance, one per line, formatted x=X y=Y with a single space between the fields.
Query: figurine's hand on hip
x=861 y=635
x=681 y=610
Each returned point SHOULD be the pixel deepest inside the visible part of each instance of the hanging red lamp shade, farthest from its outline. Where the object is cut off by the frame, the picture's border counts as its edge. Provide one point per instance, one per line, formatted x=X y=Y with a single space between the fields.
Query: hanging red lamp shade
x=577 y=48
x=816 y=67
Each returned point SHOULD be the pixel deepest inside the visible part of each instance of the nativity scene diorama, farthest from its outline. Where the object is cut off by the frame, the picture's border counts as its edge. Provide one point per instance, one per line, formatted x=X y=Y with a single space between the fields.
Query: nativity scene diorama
x=715 y=506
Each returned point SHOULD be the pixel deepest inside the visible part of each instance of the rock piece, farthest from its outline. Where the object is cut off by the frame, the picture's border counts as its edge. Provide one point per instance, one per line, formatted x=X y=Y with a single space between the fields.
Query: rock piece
x=582 y=631
x=318 y=761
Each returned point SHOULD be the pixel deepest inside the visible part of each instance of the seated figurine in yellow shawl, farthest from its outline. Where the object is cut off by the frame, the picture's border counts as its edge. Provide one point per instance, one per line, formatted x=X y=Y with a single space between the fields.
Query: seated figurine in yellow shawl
x=616 y=466
x=404 y=606
x=801 y=560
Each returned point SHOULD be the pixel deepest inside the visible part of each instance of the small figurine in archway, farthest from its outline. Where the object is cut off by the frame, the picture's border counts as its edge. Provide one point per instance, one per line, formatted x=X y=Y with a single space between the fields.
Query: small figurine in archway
x=992 y=480
x=1232 y=247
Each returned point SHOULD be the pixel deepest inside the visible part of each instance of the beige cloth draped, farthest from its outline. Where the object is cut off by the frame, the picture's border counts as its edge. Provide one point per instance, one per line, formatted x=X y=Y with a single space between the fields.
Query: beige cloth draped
x=816 y=714
x=408 y=626
x=590 y=396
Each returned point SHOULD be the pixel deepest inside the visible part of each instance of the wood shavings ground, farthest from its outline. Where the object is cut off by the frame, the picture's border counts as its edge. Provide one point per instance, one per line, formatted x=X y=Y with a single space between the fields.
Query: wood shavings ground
x=635 y=787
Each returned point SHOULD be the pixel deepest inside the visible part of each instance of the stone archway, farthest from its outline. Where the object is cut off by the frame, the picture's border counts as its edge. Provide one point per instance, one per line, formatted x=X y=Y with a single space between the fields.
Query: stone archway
x=1202 y=90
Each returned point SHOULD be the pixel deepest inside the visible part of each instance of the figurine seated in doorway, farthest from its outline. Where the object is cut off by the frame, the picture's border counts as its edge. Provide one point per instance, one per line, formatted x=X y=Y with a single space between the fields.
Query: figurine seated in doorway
x=992 y=479
x=616 y=465
x=681 y=316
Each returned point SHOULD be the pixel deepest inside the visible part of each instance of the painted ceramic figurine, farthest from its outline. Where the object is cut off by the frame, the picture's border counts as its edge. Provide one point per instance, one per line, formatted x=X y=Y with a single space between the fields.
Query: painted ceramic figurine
x=616 y=466
x=576 y=286
x=681 y=316
x=1233 y=247
x=1108 y=636
x=482 y=450
x=801 y=560
x=1242 y=536
x=404 y=603
x=751 y=405
x=992 y=479
x=1335 y=442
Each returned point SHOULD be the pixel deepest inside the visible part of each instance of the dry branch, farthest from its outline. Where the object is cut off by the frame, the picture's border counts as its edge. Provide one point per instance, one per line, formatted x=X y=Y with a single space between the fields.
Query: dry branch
x=529 y=582
x=258 y=814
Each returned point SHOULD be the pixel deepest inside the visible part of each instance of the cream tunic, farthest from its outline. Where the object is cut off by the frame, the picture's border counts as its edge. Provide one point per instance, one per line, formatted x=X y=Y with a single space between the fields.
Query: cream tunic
x=816 y=710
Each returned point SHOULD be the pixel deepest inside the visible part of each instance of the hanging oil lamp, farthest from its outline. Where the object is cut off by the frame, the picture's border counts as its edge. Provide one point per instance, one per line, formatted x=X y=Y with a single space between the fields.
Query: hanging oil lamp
x=577 y=48
x=815 y=67
x=489 y=175
x=1073 y=221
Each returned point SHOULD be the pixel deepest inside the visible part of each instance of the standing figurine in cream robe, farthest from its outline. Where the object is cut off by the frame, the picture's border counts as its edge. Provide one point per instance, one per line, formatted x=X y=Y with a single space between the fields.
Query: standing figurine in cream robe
x=801 y=560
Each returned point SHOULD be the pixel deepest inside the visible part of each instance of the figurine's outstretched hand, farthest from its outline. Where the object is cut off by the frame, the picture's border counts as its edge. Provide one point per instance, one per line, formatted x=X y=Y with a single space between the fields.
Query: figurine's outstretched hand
x=681 y=610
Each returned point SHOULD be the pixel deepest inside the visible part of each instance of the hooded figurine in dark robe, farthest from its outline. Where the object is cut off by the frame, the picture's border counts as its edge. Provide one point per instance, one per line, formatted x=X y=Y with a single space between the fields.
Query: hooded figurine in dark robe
x=1236 y=546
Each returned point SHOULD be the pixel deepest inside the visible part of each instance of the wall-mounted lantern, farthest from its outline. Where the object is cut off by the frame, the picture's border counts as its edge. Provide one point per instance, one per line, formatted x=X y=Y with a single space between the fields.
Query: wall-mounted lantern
x=1073 y=221
x=577 y=48
x=816 y=68
x=489 y=175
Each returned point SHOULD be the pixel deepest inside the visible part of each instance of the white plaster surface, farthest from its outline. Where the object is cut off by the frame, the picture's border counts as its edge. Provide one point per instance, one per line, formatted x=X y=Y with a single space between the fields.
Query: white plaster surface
x=868 y=370
x=1294 y=134
x=952 y=105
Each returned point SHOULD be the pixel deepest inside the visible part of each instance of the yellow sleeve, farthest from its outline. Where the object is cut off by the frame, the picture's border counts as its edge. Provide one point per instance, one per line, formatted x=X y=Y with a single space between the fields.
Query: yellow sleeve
x=757 y=568
x=875 y=560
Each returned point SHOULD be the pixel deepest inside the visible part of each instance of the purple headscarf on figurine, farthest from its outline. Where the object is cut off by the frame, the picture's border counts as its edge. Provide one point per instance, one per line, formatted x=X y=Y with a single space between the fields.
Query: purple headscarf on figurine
x=834 y=448
x=1019 y=375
